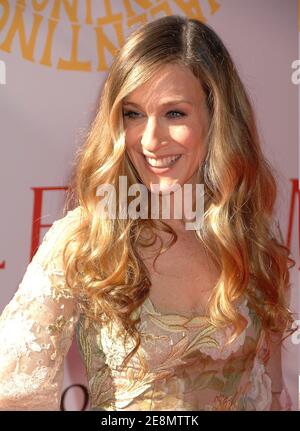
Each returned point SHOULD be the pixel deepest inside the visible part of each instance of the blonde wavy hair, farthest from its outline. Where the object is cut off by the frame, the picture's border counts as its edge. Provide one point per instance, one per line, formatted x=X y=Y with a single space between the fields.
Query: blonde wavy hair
x=101 y=256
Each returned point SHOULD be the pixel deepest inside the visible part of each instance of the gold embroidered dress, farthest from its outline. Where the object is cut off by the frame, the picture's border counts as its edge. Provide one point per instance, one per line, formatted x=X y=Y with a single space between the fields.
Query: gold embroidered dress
x=181 y=364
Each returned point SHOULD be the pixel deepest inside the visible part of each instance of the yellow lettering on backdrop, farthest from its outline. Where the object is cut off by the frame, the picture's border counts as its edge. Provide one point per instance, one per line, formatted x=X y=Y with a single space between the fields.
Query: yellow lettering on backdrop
x=47 y=53
x=142 y=18
x=103 y=42
x=145 y=4
x=27 y=37
x=39 y=6
x=191 y=9
x=74 y=63
x=109 y=16
x=21 y=3
x=5 y=14
x=162 y=7
x=17 y=27
x=137 y=19
x=70 y=6
x=214 y=6
x=88 y=12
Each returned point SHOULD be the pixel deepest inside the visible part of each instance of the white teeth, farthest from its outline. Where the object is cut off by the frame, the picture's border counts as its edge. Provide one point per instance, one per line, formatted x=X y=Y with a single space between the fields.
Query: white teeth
x=162 y=163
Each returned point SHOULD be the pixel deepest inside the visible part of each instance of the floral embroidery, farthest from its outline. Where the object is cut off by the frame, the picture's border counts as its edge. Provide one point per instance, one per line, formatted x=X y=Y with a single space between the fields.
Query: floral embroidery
x=181 y=364
x=57 y=327
x=222 y=403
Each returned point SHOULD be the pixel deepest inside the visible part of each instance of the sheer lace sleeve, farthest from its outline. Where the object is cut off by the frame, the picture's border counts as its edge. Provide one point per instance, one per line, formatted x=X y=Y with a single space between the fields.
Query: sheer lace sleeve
x=36 y=329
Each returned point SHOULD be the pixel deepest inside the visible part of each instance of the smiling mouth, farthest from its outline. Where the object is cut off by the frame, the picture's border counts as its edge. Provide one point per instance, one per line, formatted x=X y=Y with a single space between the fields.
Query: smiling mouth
x=164 y=162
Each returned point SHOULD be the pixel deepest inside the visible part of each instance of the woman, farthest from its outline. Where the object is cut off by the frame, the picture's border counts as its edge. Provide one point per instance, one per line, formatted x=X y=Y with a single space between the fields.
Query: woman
x=167 y=318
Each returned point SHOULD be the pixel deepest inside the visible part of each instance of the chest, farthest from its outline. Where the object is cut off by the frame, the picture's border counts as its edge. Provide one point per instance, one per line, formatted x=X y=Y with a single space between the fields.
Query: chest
x=182 y=278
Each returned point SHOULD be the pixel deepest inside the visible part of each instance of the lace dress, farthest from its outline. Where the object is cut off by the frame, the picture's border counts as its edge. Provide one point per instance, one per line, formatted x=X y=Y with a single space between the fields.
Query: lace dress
x=181 y=364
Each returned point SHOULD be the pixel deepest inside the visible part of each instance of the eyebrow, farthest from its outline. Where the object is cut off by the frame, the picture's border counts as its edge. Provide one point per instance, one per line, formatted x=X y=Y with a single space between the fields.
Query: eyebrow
x=170 y=102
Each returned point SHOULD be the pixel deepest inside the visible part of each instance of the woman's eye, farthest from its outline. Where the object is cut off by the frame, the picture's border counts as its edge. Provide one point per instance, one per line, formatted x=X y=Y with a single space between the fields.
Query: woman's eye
x=181 y=114
x=129 y=114
x=133 y=115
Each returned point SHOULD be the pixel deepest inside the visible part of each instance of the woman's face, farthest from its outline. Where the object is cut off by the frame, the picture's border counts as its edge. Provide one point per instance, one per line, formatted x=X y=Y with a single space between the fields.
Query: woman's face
x=165 y=123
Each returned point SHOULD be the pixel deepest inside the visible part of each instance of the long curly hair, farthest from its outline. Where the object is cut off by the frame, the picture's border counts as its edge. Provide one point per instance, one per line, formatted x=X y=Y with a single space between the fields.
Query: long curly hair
x=101 y=256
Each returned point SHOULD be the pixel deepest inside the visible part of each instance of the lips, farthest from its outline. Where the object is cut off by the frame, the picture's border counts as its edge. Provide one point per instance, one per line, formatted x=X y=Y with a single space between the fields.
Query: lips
x=162 y=162
x=160 y=170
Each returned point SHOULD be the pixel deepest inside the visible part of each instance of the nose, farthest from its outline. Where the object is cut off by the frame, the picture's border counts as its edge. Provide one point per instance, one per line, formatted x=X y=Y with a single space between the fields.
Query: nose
x=153 y=136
